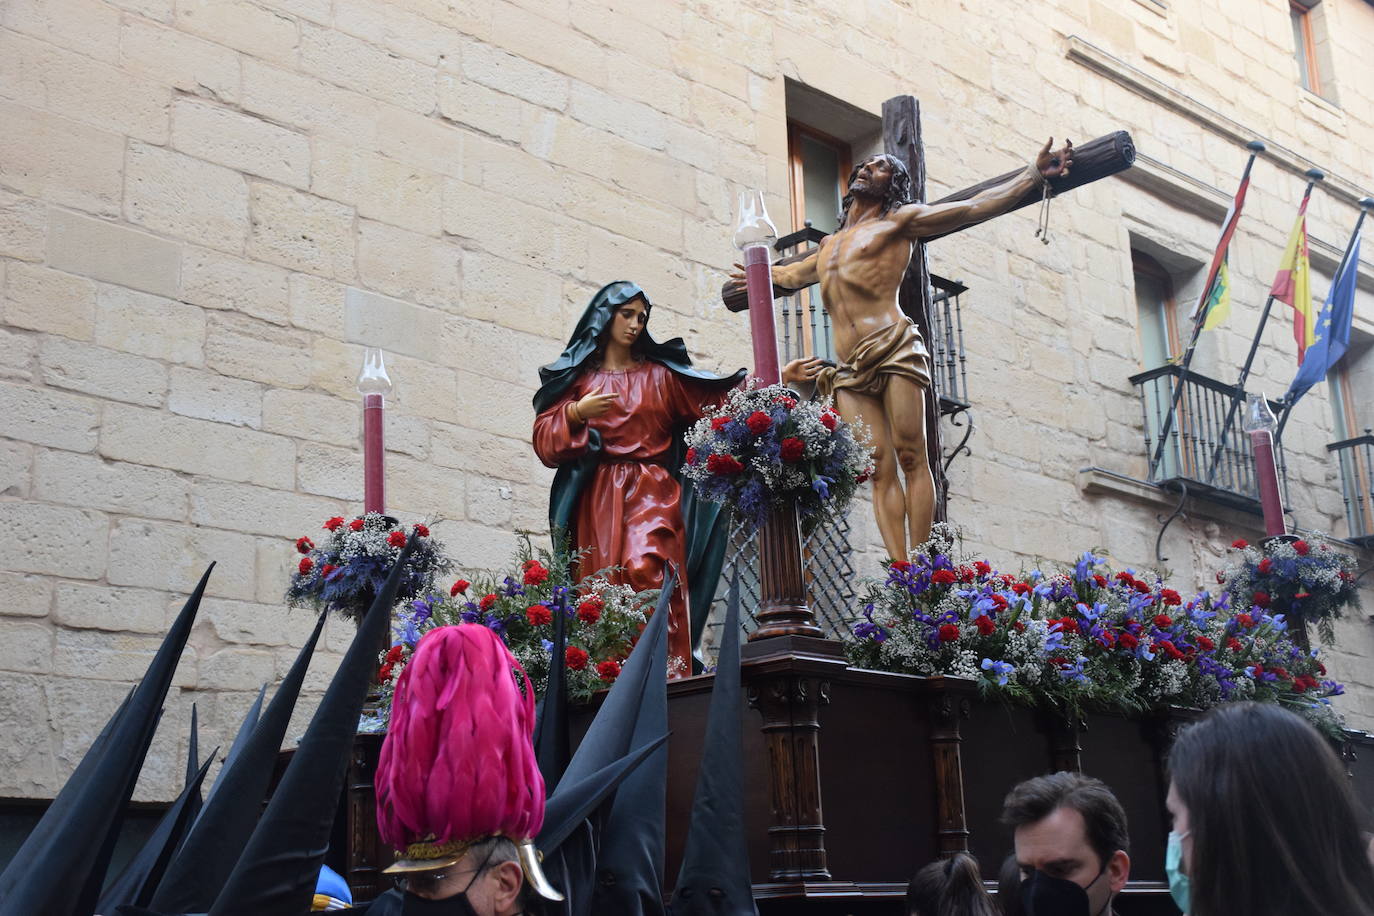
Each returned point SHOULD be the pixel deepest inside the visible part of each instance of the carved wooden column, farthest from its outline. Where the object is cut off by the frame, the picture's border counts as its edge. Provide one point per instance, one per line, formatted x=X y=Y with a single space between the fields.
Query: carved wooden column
x=947 y=705
x=783 y=608
x=1066 y=751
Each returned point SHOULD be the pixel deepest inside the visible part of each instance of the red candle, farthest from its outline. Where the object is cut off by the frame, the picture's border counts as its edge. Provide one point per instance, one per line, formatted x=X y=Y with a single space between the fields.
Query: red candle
x=758 y=275
x=1267 y=475
x=374 y=452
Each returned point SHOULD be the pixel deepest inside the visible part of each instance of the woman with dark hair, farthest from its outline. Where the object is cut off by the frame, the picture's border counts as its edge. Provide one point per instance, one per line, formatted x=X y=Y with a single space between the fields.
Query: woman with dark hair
x=611 y=412
x=949 y=887
x=1265 y=821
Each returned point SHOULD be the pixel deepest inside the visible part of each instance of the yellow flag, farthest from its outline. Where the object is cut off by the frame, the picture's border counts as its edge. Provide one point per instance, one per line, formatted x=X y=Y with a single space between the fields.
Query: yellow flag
x=1219 y=299
x=1293 y=284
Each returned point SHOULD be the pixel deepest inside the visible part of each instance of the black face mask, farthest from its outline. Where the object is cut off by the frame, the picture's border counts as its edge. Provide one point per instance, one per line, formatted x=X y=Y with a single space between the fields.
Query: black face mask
x=457 y=905
x=1043 y=895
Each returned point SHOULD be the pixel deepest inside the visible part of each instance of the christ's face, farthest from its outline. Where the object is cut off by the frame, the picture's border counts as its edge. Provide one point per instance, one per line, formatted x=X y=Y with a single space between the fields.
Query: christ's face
x=872 y=179
x=628 y=322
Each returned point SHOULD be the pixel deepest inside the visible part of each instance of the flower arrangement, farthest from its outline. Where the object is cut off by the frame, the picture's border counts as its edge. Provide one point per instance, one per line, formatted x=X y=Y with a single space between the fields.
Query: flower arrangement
x=346 y=570
x=1085 y=638
x=602 y=621
x=765 y=448
x=1301 y=578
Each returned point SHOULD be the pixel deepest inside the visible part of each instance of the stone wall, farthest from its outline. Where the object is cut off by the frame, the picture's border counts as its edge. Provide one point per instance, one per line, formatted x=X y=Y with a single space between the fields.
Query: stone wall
x=207 y=207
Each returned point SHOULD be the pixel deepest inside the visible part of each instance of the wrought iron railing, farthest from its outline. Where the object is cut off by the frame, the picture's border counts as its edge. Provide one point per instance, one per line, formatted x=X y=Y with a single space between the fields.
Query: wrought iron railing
x=1205 y=448
x=1356 y=458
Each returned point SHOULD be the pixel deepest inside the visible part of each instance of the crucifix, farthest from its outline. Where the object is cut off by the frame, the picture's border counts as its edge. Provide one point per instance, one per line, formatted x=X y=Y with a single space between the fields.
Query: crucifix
x=875 y=284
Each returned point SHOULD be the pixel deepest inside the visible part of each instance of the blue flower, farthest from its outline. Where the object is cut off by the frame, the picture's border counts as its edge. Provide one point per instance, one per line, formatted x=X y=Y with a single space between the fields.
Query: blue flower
x=548 y=645
x=1083 y=569
x=999 y=670
x=822 y=486
x=1074 y=671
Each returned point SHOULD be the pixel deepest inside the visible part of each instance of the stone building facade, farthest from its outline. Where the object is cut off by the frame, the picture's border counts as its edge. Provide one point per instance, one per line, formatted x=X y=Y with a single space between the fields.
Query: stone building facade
x=207 y=208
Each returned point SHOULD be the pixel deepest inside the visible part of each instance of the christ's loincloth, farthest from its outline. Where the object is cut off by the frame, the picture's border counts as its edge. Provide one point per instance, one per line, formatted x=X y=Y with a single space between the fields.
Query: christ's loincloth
x=894 y=350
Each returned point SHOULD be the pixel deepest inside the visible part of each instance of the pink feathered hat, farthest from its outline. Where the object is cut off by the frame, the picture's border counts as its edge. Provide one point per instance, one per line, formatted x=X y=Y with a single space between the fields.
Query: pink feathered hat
x=458 y=763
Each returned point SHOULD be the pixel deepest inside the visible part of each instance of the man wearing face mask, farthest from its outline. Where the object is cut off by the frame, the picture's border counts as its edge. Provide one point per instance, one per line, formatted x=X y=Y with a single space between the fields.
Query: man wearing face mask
x=1071 y=844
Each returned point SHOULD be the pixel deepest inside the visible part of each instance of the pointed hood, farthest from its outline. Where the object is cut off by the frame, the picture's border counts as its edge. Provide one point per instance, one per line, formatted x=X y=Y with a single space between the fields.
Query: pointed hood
x=275 y=875
x=552 y=743
x=714 y=880
x=59 y=869
x=203 y=863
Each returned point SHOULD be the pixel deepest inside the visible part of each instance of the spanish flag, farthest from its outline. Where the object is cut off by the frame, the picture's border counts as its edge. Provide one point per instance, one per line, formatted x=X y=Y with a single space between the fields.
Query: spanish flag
x=1293 y=283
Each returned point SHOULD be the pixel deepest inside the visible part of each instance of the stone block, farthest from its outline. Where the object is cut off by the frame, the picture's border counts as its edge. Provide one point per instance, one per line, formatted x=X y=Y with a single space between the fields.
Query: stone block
x=260 y=32
x=222 y=281
x=308 y=104
x=399 y=30
x=46 y=156
x=41 y=299
x=197 y=447
x=185 y=197
x=106 y=373
x=601 y=203
x=428 y=142
x=87 y=26
x=113 y=253
x=316 y=304
x=116 y=610
x=494 y=68
x=25 y=646
x=491 y=502
x=16 y=467
x=56 y=540
x=374 y=320
x=383 y=189
x=424 y=390
x=247 y=348
x=23 y=227
x=334 y=367
x=210 y=396
x=421 y=490
x=171 y=557
x=241 y=141
x=49 y=417
x=486 y=110
x=18 y=353
x=275 y=564
x=531 y=36
x=105 y=656
x=238 y=669
x=474 y=545
x=245 y=622
x=149 y=325
x=26 y=763
x=333 y=472
x=185 y=62
x=492 y=405
x=26 y=595
x=347 y=61
x=103 y=96
x=301 y=231
x=410 y=266
x=511 y=355
x=501 y=226
x=312 y=416
x=89 y=482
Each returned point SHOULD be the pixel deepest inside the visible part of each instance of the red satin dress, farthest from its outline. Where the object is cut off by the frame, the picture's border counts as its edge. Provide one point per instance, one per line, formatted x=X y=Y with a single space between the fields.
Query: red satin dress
x=630 y=514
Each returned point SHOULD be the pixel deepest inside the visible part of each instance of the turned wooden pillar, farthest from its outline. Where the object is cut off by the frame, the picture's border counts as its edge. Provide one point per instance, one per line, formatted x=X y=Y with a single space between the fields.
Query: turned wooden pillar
x=1066 y=750
x=948 y=705
x=783 y=608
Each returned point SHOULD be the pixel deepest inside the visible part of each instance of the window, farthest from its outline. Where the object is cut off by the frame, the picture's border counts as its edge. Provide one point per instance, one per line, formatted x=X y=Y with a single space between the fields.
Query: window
x=1156 y=311
x=1305 y=46
x=819 y=167
x=1353 y=417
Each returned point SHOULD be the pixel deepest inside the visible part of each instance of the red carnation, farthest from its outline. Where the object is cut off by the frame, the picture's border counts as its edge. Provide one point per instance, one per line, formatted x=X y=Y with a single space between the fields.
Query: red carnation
x=943 y=577
x=723 y=465
x=1205 y=644
x=1000 y=602
x=356 y=524
x=1163 y=621
x=538 y=615
x=1245 y=620
x=981 y=567
x=985 y=625
x=785 y=401
x=304 y=545
x=486 y=602
x=1301 y=547
x=384 y=673
x=758 y=422
x=535 y=573
x=1240 y=543
x=459 y=588
x=1067 y=624
x=966 y=574
x=1321 y=669
x=306 y=565
x=1142 y=587
x=1171 y=597
x=396 y=539
x=1265 y=566
x=589 y=611
x=719 y=423
x=1124 y=576
x=334 y=523
x=1261 y=599
x=608 y=670
x=1234 y=644
x=1021 y=588
x=1129 y=640
x=326 y=569
x=948 y=632
x=862 y=476
x=1301 y=595
x=792 y=449
x=830 y=419
x=692 y=455
x=901 y=565
x=1019 y=627
x=421 y=530
x=575 y=658
x=1100 y=579
x=394 y=653
x=1281 y=672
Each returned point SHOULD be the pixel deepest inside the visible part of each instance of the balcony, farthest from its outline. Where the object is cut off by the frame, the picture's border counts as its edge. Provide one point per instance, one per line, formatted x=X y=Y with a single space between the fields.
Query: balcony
x=1205 y=451
x=1356 y=458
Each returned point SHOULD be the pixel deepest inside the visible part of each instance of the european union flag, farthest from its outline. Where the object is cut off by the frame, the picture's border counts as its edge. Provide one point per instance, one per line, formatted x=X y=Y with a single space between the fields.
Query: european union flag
x=1332 y=334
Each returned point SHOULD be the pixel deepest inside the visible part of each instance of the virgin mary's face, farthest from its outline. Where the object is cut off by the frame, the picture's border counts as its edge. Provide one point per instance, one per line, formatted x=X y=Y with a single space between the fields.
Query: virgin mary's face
x=628 y=322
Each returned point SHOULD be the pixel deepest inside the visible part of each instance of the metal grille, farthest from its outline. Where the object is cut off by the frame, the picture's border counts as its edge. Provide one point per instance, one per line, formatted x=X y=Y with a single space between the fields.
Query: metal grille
x=1206 y=448
x=1356 y=457
x=947 y=356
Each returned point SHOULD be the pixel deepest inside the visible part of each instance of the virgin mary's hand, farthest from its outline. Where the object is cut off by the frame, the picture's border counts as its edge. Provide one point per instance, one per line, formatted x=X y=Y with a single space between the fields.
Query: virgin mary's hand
x=594 y=404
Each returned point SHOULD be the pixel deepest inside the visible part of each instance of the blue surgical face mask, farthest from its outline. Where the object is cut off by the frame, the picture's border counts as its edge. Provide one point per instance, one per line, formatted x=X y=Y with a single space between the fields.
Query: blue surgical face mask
x=1173 y=859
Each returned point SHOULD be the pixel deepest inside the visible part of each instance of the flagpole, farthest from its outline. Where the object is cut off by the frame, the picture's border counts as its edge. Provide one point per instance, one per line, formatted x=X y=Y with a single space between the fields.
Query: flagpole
x=1255 y=147
x=1366 y=203
x=1313 y=176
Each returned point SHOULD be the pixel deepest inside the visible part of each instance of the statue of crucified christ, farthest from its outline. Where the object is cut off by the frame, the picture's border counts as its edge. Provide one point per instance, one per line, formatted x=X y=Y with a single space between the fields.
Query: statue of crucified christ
x=885 y=366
